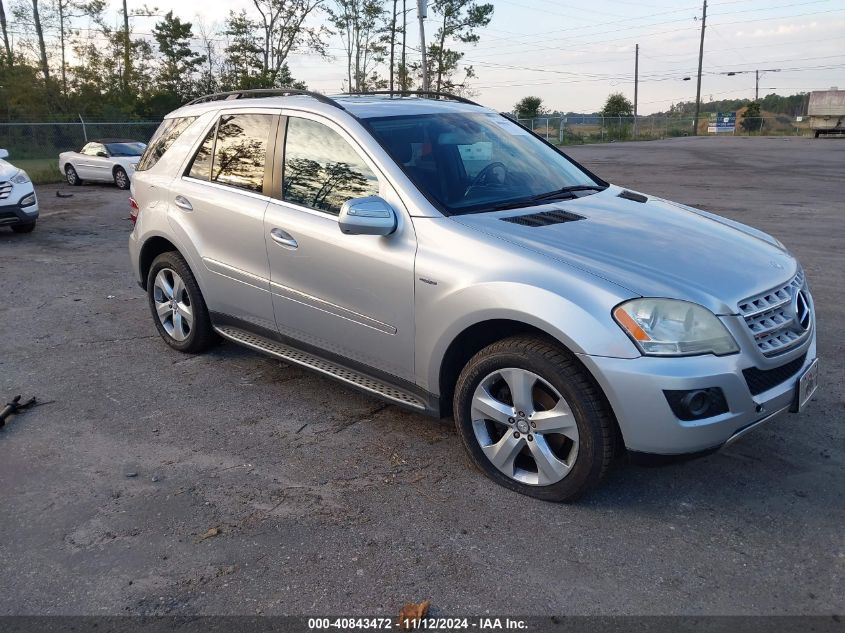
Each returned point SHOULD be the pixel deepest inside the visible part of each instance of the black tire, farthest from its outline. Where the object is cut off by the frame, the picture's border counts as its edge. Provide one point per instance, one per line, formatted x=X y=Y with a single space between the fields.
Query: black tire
x=201 y=335
x=24 y=228
x=121 y=179
x=594 y=419
x=71 y=176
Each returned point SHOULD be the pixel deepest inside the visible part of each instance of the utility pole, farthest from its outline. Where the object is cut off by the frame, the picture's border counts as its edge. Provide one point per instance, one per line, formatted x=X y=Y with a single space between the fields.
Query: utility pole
x=636 y=83
x=757 y=73
x=700 y=60
x=127 y=58
x=422 y=11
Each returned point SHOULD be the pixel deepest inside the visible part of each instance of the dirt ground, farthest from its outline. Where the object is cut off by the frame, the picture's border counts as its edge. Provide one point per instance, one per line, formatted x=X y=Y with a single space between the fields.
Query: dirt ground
x=156 y=483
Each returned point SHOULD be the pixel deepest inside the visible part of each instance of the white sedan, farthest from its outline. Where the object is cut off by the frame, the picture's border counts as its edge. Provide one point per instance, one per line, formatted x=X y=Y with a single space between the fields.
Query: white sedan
x=103 y=160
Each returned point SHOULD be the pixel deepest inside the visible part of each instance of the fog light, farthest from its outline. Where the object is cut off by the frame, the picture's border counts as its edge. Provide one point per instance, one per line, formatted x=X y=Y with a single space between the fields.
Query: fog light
x=28 y=200
x=696 y=404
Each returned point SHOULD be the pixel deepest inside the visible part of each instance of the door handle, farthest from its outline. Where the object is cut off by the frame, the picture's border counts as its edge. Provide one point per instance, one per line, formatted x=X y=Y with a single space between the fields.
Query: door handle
x=283 y=238
x=183 y=203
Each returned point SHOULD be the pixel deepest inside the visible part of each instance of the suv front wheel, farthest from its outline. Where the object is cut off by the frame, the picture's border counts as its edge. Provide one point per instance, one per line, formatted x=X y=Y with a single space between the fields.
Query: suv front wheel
x=177 y=305
x=533 y=420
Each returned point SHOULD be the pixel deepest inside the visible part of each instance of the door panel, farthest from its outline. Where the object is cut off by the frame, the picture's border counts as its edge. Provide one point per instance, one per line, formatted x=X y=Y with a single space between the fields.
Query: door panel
x=349 y=294
x=352 y=295
x=101 y=169
x=221 y=205
x=227 y=228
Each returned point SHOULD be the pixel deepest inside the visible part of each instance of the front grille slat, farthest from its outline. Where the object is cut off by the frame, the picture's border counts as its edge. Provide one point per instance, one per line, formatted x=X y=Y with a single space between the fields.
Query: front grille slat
x=772 y=320
x=5 y=189
x=760 y=380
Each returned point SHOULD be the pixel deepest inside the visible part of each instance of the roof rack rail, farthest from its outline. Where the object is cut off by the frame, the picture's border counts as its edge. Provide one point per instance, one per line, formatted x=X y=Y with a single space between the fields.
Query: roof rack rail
x=264 y=92
x=402 y=93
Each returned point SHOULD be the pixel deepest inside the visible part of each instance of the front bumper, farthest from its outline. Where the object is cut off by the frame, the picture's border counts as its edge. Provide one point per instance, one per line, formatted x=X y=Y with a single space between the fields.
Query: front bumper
x=11 y=214
x=634 y=388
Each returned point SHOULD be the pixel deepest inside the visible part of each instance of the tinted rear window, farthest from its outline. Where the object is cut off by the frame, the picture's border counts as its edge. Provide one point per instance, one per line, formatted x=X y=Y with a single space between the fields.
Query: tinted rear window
x=164 y=137
x=240 y=152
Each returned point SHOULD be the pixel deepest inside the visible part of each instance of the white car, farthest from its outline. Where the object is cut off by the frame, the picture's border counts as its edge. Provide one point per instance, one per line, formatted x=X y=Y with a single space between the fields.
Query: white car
x=103 y=160
x=18 y=202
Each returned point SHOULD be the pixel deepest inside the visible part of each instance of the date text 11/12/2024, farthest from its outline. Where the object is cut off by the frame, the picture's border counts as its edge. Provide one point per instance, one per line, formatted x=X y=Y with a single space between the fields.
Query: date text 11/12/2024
x=425 y=623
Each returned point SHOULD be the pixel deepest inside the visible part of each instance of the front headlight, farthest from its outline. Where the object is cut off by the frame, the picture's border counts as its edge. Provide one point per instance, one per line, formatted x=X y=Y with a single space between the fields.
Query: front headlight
x=20 y=178
x=670 y=327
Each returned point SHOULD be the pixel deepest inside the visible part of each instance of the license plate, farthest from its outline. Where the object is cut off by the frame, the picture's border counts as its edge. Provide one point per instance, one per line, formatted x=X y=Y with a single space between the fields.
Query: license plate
x=807 y=385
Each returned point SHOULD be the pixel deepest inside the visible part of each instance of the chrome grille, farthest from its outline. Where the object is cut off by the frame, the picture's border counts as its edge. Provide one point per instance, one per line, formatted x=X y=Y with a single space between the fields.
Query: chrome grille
x=779 y=319
x=5 y=189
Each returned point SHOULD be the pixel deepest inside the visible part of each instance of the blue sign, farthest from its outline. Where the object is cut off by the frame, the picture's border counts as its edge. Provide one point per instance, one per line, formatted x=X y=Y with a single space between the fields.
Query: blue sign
x=722 y=122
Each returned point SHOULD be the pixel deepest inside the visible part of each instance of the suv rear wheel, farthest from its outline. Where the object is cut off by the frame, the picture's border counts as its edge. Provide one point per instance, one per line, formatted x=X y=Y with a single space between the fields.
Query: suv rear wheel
x=177 y=305
x=533 y=420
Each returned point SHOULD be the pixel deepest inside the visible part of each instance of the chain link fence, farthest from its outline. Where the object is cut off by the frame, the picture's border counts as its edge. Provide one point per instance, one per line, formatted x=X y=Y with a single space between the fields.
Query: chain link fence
x=35 y=147
x=47 y=140
x=577 y=129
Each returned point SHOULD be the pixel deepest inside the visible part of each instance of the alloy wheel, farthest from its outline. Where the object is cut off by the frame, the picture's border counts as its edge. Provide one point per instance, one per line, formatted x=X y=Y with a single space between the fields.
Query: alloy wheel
x=173 y=305
x=121 y=179
x=524 y=426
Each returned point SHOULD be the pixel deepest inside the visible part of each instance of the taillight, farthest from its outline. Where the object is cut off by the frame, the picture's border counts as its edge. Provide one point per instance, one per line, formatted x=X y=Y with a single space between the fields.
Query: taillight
x=133 y=211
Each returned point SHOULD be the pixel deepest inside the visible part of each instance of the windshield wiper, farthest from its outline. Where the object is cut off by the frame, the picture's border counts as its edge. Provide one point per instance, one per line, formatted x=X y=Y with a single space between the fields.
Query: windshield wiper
x=566 y=192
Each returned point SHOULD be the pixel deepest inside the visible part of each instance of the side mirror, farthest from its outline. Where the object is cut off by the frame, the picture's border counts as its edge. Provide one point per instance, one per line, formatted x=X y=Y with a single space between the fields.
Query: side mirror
x=367 y=216
x=102 y=155
x=4 y=153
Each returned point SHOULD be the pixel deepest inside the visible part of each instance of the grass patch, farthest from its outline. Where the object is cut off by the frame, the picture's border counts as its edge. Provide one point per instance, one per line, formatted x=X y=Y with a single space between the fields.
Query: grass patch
x=42 y=171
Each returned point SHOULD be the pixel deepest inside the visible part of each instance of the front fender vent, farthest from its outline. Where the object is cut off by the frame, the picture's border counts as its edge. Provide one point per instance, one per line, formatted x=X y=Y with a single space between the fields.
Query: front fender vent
x=545 y=218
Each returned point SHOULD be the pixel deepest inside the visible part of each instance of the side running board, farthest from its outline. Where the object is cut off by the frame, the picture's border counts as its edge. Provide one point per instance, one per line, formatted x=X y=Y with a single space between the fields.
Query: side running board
x=311 y=361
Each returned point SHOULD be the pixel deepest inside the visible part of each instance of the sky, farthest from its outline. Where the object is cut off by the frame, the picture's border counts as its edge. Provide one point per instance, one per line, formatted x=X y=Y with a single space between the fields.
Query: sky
x=573 y=54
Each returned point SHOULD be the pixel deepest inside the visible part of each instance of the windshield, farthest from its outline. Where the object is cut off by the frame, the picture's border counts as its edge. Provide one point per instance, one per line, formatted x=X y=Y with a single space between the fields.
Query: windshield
x=475 y=162
x=126 y=149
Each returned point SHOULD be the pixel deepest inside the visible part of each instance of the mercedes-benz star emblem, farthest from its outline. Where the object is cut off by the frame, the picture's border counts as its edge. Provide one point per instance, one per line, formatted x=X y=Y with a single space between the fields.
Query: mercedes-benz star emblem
x=801 y=309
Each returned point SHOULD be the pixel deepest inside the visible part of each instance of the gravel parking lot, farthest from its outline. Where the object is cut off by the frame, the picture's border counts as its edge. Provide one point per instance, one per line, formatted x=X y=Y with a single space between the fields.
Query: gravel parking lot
x=157 y=483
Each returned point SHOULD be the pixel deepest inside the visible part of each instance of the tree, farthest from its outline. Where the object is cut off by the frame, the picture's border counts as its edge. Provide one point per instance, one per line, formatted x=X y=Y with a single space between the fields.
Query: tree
x=6 y=45
x=529 y=108
x=179 y=63
x=752 y=119
x=459 y=22
x=283 y=29
x=42 y=49
x=392 y=30
x=209 y=79
x=360 y=24
x=403 y=74
x=617 y=105
x=68 y=10
x=242 y=63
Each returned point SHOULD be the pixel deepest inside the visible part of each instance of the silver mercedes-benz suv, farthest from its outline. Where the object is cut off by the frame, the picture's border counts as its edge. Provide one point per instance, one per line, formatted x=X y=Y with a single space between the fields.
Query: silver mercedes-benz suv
x=437 y=254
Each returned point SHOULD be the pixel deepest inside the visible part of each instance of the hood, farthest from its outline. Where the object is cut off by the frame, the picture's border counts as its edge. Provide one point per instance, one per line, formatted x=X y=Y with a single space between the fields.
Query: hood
x=655 y=248
x=7 y=170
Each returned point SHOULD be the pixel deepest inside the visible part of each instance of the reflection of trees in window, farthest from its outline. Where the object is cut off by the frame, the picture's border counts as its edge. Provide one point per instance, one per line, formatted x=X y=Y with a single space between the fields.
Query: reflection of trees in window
x=324 y=187
x=299 y=174
x=201 y=165
x=322 y=170
x=163 y=138
x=241 y=151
